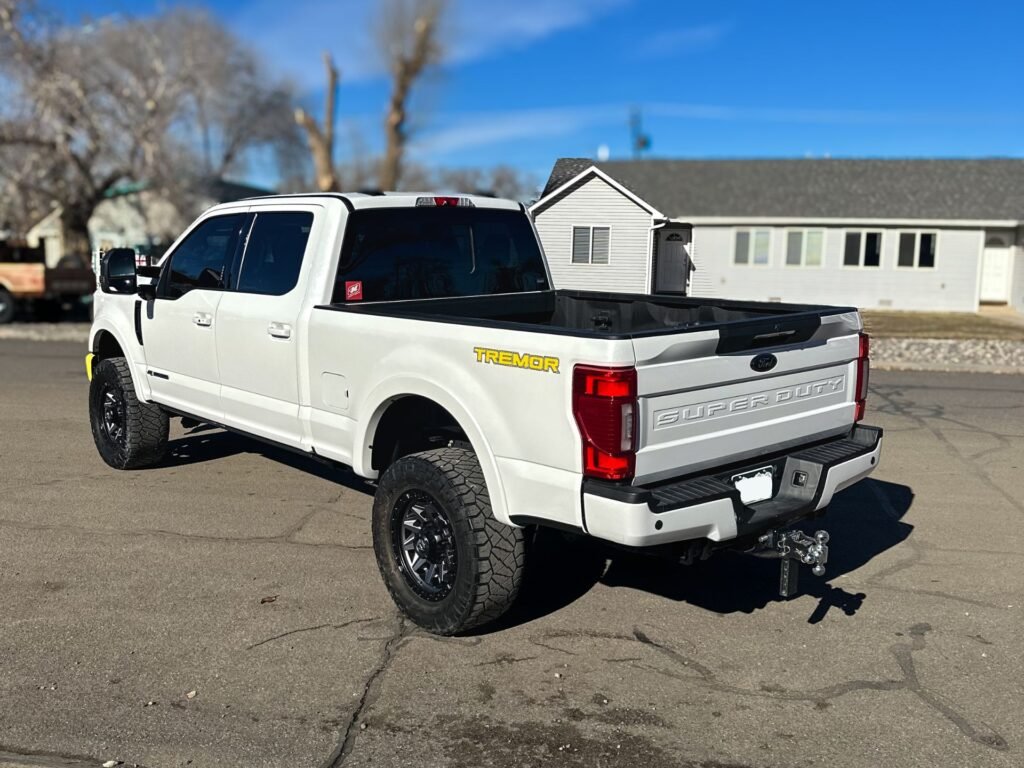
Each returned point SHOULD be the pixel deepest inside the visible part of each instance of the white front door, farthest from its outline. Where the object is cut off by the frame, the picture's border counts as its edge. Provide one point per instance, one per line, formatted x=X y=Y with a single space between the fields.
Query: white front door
x=179 y=326
x=995 y=273
x=258 y=326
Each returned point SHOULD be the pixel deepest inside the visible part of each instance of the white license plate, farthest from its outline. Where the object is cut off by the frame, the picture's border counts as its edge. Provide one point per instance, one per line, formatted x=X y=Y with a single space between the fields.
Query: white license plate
x=754 y=486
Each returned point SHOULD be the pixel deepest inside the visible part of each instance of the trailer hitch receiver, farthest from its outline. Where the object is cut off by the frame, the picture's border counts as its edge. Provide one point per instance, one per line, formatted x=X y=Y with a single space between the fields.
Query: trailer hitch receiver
x=790 y=546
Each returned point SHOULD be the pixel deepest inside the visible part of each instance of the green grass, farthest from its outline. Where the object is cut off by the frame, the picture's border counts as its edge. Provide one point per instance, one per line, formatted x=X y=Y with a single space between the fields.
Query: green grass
x=940 y=325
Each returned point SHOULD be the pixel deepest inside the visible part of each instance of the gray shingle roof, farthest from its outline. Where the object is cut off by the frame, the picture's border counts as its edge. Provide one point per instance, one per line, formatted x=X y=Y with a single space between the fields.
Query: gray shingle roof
x=985 y=189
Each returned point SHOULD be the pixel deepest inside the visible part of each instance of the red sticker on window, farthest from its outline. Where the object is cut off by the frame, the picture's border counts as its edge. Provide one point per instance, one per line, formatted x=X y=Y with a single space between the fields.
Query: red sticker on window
x=354 y=290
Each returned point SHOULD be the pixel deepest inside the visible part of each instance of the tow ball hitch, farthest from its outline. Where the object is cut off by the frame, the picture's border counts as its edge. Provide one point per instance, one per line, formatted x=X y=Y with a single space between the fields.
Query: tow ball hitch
x=790 y=546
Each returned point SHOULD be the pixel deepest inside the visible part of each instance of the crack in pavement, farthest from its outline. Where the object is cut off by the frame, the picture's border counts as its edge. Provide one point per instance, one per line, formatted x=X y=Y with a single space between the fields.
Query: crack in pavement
x=938 y=414
x=301 y=630
x=293 y=529
x=371 y=690
x=157 y=532
x=915 y=557
x=982 y=733
x=504 y=660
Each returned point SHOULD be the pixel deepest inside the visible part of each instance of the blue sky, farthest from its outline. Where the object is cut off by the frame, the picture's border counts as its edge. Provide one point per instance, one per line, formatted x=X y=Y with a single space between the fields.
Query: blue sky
x=527 y=81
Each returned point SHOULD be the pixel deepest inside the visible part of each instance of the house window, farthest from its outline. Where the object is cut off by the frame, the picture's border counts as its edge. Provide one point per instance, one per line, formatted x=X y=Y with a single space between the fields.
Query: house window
x=804 y=247
x=591 y=245
x=917 y=249
x=752 y=246
x=862 y=249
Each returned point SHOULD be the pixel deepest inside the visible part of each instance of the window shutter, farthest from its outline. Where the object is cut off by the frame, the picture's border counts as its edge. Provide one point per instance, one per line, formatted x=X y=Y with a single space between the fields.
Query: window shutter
x=581 y=245
x=872 y=249
x=906 y=251
x=927 y=256
x=602 y=236
x=851 y=252
x=815 y=248
x=794 y=247
x=742 y=247
x=762 y=246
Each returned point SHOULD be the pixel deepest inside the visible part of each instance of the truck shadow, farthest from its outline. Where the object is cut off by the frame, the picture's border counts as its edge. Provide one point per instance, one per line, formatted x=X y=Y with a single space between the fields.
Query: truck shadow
x=863 y=521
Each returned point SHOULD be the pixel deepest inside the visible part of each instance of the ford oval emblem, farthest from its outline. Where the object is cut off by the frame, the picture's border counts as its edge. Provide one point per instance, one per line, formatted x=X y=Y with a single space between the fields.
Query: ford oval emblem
x=764 y=363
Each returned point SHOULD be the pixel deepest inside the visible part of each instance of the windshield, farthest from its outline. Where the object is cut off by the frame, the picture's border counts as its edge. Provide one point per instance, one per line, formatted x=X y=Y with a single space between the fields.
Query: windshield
x=427 y=252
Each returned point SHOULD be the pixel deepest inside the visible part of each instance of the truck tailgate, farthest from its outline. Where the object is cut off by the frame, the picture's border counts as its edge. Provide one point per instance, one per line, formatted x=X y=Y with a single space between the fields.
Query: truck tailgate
x=702 y=402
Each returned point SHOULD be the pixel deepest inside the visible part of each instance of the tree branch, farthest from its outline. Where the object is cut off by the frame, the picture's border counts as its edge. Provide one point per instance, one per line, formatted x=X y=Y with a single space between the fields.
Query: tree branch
x=406 y=68
x=321 y=142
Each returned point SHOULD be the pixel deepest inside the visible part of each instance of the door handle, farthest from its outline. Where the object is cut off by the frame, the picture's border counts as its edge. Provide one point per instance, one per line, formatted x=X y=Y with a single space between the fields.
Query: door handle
x=202 y=319
x=280 y=330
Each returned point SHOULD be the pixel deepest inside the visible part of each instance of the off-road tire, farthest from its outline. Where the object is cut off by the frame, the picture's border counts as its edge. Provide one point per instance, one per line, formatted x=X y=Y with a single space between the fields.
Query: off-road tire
x=490 y=555
x=145 y=426
x=7 y=306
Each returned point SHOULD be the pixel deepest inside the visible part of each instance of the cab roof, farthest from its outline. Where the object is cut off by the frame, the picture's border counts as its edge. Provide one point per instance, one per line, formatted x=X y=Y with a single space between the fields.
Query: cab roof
x=375 y=199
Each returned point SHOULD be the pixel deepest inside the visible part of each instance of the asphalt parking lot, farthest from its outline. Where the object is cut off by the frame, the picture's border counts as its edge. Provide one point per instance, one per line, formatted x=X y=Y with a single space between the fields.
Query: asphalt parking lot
x=225 y=610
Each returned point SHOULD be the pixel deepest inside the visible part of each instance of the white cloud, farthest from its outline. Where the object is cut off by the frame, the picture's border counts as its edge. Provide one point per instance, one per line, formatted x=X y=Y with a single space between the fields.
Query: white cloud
x=473 y=130
x=677 y=40
x=481 y=28
x=464 y=131
x=294 y=34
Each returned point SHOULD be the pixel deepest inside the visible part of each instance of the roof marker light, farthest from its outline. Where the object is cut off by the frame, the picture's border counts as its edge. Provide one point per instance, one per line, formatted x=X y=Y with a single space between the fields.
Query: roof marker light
x=445 y=202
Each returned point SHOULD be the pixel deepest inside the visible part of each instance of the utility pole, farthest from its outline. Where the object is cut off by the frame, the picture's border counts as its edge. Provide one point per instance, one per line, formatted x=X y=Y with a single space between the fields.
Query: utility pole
x=640 y=141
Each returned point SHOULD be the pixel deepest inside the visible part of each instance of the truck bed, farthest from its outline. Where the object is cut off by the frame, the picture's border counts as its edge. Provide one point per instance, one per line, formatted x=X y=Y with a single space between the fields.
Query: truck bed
x=702 y=402
x=616 y=315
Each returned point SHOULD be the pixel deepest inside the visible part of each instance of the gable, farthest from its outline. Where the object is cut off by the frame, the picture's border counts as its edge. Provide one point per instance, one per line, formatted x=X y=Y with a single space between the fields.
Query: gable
x=588 y=176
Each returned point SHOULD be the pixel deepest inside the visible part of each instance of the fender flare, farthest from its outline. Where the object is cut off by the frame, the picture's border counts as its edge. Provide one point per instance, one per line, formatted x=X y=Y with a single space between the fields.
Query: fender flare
x=141 y=389
x=391 y=390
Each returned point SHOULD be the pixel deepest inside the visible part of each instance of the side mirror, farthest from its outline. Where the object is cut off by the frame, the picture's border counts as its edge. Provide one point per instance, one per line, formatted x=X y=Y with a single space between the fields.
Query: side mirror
x=117 y=271
x=147 y=291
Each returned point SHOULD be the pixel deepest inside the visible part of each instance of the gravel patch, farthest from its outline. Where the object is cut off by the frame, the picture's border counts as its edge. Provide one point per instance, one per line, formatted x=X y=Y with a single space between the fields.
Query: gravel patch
x=46 y=331
x=986 y=355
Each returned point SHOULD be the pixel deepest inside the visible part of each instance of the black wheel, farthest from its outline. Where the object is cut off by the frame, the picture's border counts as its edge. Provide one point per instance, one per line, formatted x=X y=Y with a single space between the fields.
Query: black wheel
x=129 y=434
x=7 y=306
x=448 y=564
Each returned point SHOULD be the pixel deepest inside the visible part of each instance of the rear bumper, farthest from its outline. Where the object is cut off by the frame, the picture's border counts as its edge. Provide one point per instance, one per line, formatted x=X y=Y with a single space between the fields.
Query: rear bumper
x=709 y=507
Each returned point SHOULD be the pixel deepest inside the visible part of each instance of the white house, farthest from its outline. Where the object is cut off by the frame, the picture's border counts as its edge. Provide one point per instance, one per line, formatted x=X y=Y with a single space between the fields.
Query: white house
x=900 y=234
x=133 y=216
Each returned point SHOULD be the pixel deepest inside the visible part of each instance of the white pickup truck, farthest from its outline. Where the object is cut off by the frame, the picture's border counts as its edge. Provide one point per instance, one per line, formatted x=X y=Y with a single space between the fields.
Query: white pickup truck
x=418 y=340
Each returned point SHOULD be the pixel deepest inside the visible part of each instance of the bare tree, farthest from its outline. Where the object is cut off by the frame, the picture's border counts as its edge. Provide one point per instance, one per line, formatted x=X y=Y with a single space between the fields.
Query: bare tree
x=506 y=181
x=409 y=36
x=321 y=140
x=117 y=100
x=236 y=105
x=500 y=181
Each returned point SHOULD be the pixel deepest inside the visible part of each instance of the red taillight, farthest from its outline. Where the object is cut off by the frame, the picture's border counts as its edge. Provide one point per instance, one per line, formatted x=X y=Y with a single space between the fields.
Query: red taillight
x=604 y=405
x=863 y=370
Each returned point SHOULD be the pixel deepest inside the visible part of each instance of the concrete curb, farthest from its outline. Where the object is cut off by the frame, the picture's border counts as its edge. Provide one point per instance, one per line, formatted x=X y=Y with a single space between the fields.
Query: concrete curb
x=45 y=332
x=899 y=365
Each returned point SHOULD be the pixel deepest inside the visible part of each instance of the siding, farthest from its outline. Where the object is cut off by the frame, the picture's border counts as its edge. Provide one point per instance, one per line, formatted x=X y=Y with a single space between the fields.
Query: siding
x=596 y=203
x=951 y=285
x=702 y=280
x=1017 y=278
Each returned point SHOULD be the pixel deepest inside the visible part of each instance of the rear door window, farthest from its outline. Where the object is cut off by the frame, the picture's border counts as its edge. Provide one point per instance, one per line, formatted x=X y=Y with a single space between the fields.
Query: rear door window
x=437 y=252
x=273 y=252
x=203 y=258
